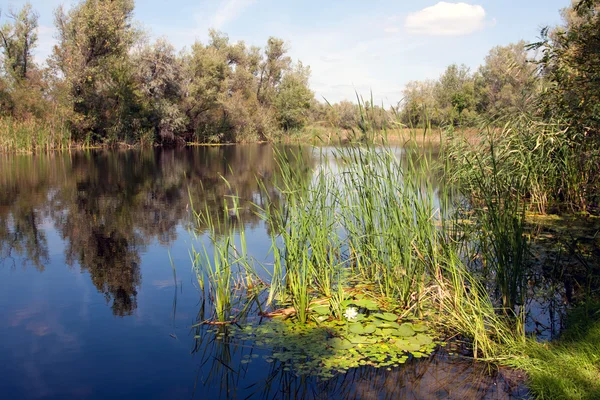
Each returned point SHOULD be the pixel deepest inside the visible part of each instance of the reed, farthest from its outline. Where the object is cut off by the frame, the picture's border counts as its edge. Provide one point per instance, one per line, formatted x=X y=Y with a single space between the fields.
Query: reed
x=32 y=135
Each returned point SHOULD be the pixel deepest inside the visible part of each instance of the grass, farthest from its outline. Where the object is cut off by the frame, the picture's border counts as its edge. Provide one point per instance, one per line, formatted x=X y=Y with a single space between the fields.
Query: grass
x=570 y=367
x=326 y=135
x=32 y=135
x=371 y=220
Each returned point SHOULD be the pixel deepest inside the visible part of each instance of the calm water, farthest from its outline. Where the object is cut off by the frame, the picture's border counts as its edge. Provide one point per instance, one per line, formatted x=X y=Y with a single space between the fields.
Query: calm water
x=90 y=306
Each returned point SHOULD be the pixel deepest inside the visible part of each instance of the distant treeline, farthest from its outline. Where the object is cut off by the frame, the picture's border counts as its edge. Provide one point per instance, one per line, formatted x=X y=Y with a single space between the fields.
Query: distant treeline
x=106 y=82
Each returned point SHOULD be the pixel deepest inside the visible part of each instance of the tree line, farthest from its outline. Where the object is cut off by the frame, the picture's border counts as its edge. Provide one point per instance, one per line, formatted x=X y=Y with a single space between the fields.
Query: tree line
x=107 y=82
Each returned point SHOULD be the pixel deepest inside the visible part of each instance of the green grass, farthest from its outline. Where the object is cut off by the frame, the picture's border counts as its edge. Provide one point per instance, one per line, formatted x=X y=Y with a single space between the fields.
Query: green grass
x=372 y=221
x=570 y=367
x=32 y=135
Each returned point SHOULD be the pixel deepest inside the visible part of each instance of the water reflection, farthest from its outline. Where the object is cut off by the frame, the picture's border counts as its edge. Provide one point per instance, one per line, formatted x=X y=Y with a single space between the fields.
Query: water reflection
x=108 y=206
x=78 y=230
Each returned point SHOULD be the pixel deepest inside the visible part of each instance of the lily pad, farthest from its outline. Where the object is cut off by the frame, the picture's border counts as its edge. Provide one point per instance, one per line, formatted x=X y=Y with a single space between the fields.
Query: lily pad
x=340 y=344
x=367 y=303
x=356 y=328
x=419 y=327
x=423 y=340
x=405 y=330
x=387 y=316
x=405 y=345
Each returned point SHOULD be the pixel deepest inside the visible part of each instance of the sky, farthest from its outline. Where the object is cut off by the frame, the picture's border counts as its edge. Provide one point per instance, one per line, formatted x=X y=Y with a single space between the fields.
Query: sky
x=352 y=46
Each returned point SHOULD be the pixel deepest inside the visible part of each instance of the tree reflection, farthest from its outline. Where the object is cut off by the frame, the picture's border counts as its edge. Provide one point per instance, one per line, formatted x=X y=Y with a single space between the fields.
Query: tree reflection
x=109 y=206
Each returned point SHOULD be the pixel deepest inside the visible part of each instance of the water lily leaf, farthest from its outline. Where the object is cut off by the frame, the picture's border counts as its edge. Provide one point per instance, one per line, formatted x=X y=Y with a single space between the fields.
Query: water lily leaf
x=387 y=316
x=419 y=327
x=423 y=340
x=369 y=329
x=393 y=325
x=405 y=330
x=356 y=328
x=387 y=332
x=368 y=304
x=340 y=344
x=405 y=345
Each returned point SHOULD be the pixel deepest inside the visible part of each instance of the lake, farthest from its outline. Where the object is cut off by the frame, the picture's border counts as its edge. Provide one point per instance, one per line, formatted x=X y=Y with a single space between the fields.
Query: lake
x=98 y=298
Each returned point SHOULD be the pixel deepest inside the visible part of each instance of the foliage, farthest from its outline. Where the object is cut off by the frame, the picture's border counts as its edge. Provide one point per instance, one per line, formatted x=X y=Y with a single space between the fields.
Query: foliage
x=569 y=368
x=570 y=59
x=332 y=346
x=17 y=41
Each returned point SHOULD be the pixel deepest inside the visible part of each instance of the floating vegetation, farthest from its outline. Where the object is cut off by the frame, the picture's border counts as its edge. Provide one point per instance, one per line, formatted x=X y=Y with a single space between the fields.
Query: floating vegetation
x=333 y=346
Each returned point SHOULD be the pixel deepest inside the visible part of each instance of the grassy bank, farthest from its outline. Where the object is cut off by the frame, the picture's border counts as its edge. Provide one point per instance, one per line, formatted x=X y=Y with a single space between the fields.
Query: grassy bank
x=319 y=135
x=568 y=368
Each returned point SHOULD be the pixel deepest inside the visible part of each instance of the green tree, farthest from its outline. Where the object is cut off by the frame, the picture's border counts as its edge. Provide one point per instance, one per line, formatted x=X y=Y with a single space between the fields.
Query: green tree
x=418 y=105
x=293 y=98
x=570 y=60
x=17 y=40
x=158 y=75
x=272 y=69
x=507 y=82
x=94 y=40
x=454 y=95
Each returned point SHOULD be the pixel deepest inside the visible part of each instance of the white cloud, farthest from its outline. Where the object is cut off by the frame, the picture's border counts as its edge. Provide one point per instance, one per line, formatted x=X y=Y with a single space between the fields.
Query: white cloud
x=229 y=10
x=446 y=19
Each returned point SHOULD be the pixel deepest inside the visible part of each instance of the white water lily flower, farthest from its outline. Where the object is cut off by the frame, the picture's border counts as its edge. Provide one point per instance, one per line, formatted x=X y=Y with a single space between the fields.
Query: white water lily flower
x=351 y=313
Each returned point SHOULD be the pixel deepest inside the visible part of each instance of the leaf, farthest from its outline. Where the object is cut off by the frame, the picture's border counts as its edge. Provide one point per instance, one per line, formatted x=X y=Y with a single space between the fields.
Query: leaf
x=387 y=316
x=422 y=340
x=368 y=304
x=405 y=330
x=419 y=327
x=356 y=328
x=405 y=345
x=321 y=309
x=340 y=344
x=369 y=329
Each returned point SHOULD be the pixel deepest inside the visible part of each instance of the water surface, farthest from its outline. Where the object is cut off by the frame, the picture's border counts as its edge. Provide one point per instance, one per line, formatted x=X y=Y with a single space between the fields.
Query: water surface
x=98 y=298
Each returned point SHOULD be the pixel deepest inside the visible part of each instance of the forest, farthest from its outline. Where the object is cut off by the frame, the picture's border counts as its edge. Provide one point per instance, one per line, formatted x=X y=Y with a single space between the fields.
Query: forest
x=107 y=82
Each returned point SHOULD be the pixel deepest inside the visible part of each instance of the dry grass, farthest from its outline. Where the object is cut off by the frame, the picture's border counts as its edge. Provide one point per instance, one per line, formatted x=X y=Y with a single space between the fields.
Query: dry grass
x=319 y=135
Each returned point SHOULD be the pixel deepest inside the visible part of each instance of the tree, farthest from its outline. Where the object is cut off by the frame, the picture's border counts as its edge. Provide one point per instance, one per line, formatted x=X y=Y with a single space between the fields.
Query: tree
x=454 y=95
x=94 y=40
x=17 y=40
x=507 y=82
x=293 y=98
x=569 y=62
x=158 y=76
x=272 y=69
x=418 y=104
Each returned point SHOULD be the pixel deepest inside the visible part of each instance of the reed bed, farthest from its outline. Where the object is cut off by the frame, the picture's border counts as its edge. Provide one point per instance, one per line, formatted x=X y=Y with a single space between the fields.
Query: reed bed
x=31 y=135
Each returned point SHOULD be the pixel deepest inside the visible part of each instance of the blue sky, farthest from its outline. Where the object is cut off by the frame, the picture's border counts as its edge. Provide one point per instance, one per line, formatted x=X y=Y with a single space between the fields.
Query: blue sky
x=350 y=45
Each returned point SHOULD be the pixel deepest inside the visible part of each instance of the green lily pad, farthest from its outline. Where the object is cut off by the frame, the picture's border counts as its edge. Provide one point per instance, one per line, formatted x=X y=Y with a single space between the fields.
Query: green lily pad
x=405 y=330
x=393 y=325
x=356 y=328
x=422 y=340
x=405 y=345
x=369 y=329
x=387 y=317
x=340 y=344
x=419 y=327
x=368 y=304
